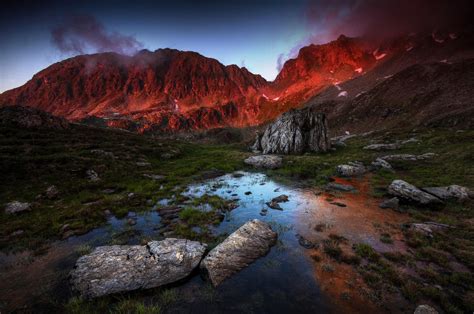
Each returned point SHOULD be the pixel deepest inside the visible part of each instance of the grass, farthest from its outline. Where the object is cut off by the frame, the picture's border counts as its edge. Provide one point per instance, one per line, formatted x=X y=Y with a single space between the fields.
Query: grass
x=31 y=161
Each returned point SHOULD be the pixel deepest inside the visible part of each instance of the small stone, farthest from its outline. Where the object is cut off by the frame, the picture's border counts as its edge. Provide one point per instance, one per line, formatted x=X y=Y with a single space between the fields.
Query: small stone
x=380 y=163
x=265 y=161
x=52 y=192
x=17 y=207
x=17 y=233
x=131 y=222
x=92 y=175
x=143 y=164
x=392 y=203
x=351 y=169
x=425 y=309
x=382 y=146
x=247 y=193
x=305 y=243
x=155 y=177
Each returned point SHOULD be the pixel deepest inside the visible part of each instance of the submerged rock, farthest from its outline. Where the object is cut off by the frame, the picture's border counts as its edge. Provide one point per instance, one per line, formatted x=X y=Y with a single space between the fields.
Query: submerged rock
x=411 y=193
x=354 y=168
x=280 y=199
x=17 y=207
x=251 y=241
x=340 y=187
x=264 y=161
x=295 y=132
x=118 y=268
x=454 y=192
x=274 y=205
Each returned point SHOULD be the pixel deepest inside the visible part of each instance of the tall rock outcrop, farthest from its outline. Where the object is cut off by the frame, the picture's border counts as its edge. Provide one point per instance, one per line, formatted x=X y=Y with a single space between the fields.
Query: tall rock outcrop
x=295 y=132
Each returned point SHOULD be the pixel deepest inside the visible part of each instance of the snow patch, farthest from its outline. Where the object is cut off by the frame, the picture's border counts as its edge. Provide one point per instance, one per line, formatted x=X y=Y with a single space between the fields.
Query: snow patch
x=387 y=76
x=276 y=98
x=363 y=92
x=438 y=40
x=342 y=94
x=378 y=55
x=265 y=96
x=409 y=48
x=358 y=70
x=337 y=86
x=453 y=36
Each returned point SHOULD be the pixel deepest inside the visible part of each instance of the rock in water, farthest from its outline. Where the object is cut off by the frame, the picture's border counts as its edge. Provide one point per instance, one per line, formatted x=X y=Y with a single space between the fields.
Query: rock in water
x=295 y=132
x=264 y=161
x=118 y=268
x=251 y=241
x=410 y=192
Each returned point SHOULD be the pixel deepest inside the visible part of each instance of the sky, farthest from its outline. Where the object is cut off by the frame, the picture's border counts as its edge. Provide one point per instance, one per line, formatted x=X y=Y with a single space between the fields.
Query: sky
x=243 y=33
x=260 y=34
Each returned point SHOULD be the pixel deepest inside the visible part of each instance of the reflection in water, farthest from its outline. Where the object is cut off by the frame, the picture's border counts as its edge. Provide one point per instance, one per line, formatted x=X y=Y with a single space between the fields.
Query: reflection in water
x=286 y=280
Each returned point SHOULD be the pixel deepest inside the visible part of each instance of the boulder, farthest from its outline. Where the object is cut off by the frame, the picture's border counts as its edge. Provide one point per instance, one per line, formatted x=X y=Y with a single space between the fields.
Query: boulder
x=17 y=207
x=411 y=193
x=119 y=268
x=408 y=157
x=382 y=146
x=92 y=175
x=265 y=161
x=392 y=203
x=428 y=228
x=295 y=132
x=452 y=192
x=425 y=309
x=251 y=241
x=351 y=169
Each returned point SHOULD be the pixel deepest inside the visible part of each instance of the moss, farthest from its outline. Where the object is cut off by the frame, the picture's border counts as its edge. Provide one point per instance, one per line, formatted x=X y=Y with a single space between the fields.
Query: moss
x=366 y=251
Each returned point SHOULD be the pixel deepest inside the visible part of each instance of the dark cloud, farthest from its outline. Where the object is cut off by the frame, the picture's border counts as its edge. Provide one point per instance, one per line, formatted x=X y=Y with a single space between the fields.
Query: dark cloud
x=81 y=34
x=383 y=18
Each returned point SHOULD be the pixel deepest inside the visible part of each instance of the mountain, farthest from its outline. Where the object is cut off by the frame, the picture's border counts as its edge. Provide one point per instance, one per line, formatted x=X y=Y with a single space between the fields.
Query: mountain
x=168 y=90
x=424 y=79
x=171 y=88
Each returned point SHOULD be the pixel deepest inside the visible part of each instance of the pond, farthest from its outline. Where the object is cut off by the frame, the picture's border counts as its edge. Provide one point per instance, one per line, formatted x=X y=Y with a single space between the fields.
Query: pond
x=288 y=279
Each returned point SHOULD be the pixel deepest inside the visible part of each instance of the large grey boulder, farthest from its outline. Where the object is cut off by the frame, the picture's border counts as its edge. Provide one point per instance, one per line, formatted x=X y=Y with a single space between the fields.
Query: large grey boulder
x=452 y=192
x=295 y=132
x=411 y=193
x=264 y=161
x=17 y=207
x=251 y=241
x=118 y=268
x=380 y=163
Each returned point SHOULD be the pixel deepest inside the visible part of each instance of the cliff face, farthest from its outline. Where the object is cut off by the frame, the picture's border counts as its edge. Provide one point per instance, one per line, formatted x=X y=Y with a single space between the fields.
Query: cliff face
x=153 y=86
